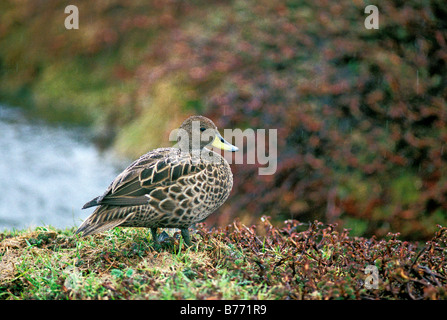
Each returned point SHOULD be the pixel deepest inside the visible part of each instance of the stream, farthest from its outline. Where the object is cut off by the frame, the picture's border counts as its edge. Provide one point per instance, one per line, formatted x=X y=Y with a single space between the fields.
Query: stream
x=48 y=172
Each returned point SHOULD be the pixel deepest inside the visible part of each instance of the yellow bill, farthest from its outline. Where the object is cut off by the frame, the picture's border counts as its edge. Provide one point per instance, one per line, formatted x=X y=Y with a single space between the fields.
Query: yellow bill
x=221 y=143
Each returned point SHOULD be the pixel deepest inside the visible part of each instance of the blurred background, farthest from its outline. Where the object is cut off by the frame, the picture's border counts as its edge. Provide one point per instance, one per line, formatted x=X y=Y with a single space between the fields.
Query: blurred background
x=361 y=114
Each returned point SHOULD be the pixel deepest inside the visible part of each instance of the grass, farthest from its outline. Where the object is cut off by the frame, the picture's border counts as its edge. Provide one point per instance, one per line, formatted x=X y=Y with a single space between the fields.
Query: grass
x=295 y=261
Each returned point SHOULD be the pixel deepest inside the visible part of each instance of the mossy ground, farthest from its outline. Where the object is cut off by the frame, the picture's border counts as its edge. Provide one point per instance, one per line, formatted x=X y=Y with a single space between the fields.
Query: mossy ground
x=292 y=261
x=360 y=113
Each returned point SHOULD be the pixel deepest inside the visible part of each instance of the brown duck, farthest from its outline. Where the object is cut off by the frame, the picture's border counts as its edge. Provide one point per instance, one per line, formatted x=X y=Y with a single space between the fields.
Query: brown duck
x=167 y=187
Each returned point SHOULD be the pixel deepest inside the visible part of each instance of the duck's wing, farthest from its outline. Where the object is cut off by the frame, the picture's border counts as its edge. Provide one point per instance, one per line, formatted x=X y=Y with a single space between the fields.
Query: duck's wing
x=161 y=167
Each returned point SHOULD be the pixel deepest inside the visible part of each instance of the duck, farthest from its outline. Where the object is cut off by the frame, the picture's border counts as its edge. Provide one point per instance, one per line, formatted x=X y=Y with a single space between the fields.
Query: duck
x=172 y=187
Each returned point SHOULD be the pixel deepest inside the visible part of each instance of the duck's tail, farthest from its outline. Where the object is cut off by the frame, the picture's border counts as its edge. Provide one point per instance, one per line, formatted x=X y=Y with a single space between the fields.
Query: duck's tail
x=102 y=219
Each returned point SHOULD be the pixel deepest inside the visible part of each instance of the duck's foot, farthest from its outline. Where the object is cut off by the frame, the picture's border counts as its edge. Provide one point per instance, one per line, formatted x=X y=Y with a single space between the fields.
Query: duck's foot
x=164 y=236
x=158 y=241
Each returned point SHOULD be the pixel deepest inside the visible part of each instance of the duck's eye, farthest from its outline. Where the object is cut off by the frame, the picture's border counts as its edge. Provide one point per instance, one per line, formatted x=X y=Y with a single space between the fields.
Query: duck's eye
x=202 y=129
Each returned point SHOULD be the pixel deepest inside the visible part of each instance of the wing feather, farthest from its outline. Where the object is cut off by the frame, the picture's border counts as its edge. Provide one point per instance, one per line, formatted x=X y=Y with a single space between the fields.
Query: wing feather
x=161 y=167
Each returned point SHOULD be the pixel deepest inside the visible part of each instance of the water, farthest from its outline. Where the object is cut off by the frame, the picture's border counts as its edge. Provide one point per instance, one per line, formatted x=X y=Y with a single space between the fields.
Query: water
x=47 y=173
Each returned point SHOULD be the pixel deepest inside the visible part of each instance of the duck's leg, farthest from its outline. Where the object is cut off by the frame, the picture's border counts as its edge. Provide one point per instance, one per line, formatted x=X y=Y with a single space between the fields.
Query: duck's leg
x=155 y=238
x=186 y=237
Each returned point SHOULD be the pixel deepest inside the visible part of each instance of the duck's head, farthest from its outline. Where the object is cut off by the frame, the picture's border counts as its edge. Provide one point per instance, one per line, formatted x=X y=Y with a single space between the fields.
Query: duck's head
x=197 y=132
